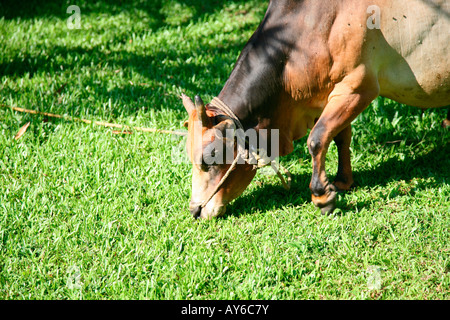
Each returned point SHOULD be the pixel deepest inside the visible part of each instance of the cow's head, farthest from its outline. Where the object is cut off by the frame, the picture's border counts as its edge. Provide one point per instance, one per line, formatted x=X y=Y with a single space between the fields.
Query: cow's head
x=209 y=151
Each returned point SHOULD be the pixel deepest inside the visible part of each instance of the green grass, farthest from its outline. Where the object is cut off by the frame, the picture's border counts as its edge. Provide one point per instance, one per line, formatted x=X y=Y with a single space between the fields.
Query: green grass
x=88 y=214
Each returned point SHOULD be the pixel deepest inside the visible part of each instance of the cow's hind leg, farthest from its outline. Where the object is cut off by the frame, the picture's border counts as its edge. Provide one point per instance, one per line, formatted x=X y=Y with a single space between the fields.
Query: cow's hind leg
x=348 y=99
x=344 y=177
x=446 y=122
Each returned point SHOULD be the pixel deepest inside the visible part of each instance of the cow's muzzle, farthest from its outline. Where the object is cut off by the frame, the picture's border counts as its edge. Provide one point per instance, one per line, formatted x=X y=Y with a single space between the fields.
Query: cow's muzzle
x=210 y=211
x=196 y=211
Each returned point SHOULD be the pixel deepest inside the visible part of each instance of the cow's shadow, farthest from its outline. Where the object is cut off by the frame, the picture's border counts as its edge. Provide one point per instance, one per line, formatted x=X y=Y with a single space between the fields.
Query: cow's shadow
x=272 y=196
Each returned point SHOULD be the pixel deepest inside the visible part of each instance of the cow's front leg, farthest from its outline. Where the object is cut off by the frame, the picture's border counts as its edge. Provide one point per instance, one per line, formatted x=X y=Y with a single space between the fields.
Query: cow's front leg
x=348 y=99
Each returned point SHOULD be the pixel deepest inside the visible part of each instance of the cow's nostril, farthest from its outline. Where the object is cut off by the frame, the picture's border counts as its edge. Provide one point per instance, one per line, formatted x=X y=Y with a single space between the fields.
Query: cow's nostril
x=196 y=212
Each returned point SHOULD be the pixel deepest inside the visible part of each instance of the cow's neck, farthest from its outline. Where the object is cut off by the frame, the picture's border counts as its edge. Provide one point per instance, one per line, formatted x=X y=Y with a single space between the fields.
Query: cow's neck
x=253 y=89
x=255 y=100
x=255 y=86
x=262 y=91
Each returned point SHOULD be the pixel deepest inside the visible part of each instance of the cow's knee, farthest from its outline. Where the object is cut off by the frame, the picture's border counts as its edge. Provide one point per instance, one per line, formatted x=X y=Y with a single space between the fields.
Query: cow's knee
x=315 y=144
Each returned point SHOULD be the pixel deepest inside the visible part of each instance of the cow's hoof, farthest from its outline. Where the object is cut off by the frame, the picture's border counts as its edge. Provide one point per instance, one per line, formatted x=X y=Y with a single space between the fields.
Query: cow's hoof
x=326 y=203
x=328 y=209
x=342 y=186
x=445 y=124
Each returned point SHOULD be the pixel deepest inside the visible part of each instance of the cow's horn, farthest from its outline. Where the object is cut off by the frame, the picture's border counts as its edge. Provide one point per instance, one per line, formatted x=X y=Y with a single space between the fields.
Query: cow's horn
x=201 y=111
x=187 y=103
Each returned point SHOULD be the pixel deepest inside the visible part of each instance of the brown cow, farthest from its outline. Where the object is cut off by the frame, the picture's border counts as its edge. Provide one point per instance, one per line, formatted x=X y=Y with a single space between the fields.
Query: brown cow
x=317 y=65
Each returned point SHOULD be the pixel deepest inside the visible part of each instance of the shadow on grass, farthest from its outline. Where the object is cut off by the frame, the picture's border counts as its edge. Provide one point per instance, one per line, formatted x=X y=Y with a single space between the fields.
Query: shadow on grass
x=271 y=196
x=159 y=10
x=157 y=75
x=152 y=66
x=433 y=164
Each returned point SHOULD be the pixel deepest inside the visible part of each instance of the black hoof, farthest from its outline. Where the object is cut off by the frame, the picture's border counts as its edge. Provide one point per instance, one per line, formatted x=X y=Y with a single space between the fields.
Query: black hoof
x=328 y=207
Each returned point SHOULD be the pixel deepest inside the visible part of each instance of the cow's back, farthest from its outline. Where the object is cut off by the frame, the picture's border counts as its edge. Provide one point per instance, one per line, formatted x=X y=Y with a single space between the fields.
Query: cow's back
x=409 y=52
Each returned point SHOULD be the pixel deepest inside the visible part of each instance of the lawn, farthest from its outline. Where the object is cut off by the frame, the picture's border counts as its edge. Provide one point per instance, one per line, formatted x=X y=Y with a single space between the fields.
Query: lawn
x=87 y=212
